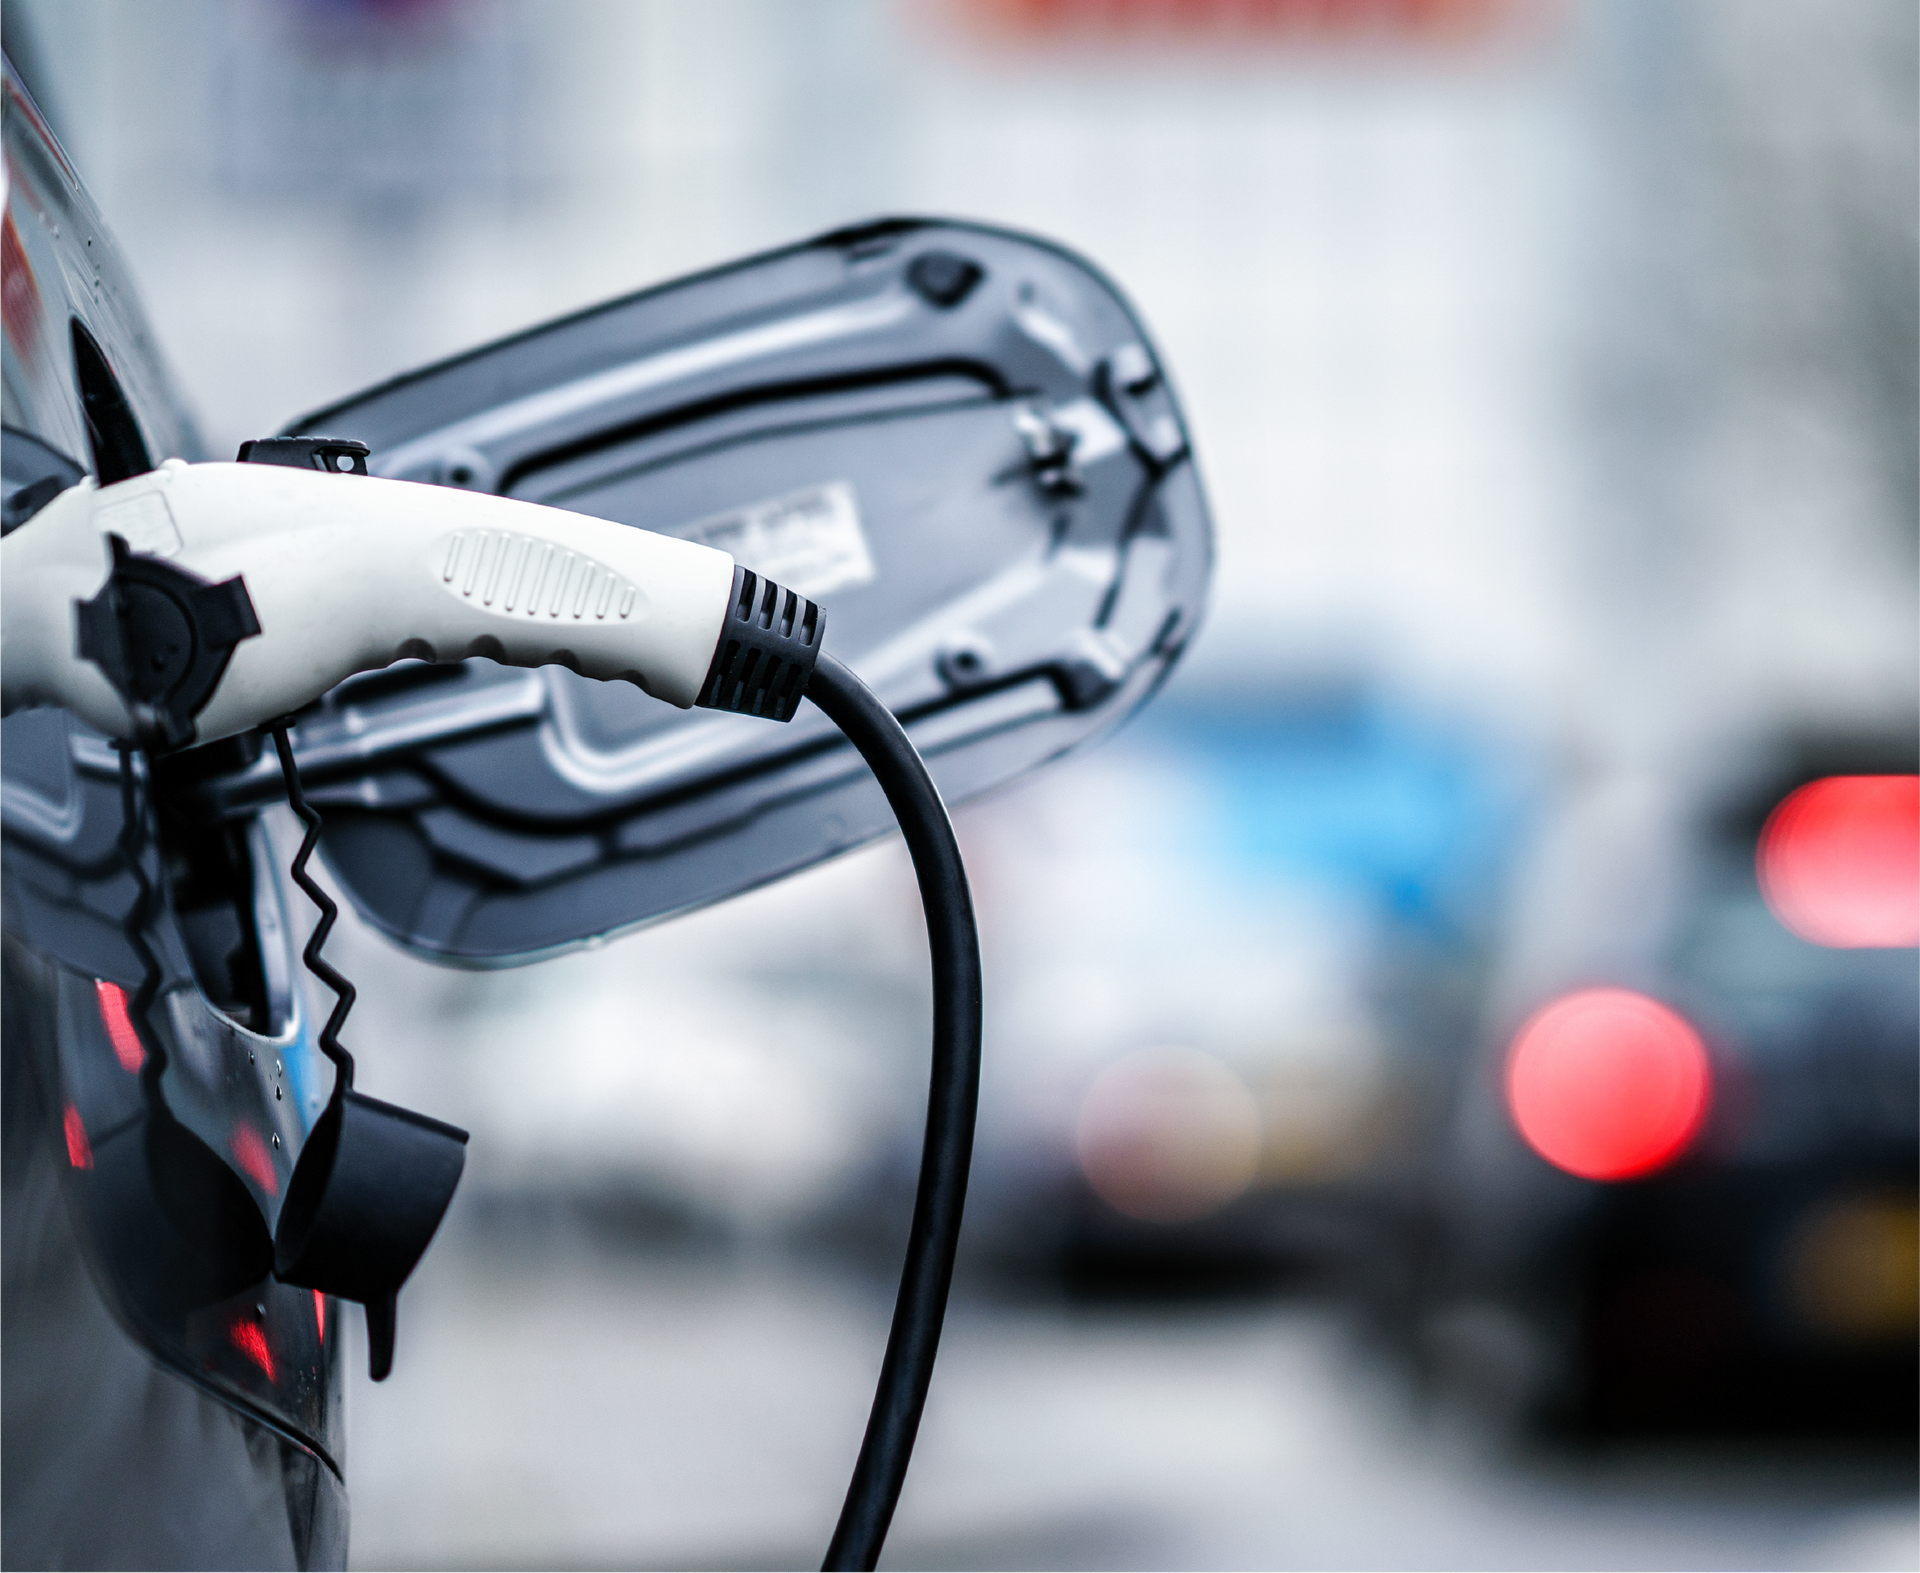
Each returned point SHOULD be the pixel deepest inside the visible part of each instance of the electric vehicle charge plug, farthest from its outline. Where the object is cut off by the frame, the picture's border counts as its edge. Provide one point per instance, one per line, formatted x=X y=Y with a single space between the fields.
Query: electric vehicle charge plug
x=346 y=572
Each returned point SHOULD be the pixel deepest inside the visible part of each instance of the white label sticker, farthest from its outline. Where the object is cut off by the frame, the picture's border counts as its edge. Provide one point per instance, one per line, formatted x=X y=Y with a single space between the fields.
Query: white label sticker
x=810 y=541
x=145 y=523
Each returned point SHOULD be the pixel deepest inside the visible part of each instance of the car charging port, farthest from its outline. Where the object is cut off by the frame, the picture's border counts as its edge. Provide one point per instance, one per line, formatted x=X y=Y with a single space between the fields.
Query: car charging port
x=213 y=883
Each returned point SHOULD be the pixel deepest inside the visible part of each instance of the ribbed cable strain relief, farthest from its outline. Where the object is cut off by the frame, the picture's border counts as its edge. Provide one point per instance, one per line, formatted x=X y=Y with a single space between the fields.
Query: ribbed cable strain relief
x=767 y=648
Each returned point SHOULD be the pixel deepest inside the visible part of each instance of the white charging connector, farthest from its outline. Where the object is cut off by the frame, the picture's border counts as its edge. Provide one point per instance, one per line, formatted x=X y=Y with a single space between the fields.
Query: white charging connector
x=197 y=601
x=341 y=574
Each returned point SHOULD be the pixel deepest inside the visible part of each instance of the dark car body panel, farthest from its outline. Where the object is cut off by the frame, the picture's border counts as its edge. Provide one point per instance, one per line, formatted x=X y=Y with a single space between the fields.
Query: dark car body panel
x=143 y=1421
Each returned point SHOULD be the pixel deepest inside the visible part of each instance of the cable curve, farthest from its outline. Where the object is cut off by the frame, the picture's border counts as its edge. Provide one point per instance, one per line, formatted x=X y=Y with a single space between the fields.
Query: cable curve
x=952 y=1102
x=132 y=845
x=345 y=992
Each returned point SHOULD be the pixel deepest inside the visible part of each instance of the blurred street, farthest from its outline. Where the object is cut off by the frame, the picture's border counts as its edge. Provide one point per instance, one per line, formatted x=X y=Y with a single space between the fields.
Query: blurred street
x=1549 y=369
x=561 y=1406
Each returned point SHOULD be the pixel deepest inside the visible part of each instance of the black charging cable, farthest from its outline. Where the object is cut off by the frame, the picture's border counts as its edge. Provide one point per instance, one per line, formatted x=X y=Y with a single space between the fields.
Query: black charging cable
x=758 y=668
x=952 y=1102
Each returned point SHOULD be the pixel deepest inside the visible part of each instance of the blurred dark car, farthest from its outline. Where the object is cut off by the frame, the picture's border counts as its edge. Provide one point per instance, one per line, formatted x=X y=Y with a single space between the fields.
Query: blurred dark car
x=1207 y=1070
x=1680 y=1197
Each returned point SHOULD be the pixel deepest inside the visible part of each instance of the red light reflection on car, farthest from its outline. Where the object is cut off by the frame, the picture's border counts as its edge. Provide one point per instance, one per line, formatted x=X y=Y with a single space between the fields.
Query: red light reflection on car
x=256 y=1163
x=19 y=292
x=320 y=1313
x=1608 y=1084
x=1839 y=861
x=79 y=1149
x=127 y=1048
x=251 y=1340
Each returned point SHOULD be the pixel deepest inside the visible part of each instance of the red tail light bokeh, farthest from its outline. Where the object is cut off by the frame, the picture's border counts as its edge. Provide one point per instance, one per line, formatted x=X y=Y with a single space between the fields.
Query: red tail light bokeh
x=1608 y=1084
x=1839 y=861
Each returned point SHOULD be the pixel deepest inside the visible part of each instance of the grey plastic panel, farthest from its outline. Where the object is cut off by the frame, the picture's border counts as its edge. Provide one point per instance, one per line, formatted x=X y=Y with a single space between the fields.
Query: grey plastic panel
x=957 y=439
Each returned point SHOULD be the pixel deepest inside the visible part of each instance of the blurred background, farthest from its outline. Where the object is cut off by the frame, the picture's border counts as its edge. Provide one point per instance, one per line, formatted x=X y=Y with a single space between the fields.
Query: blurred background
x=1551 y=368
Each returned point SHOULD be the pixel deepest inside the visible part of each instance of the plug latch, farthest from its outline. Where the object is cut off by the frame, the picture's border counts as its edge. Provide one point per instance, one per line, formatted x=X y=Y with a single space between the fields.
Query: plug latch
x=335 y=455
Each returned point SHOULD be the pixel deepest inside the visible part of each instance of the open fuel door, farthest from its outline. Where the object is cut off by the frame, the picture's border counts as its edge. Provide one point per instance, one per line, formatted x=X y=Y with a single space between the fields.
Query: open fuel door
x=958 y=440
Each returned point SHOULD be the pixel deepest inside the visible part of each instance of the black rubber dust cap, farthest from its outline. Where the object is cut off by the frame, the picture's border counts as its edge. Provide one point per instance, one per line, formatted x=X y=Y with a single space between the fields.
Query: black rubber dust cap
x=369 y=1190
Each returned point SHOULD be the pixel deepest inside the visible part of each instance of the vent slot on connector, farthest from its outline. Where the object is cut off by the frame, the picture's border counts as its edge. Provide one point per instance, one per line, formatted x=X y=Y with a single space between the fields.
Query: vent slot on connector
x=767 y=649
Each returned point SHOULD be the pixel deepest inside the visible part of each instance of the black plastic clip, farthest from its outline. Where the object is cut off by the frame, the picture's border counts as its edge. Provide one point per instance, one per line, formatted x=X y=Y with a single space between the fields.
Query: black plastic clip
x=335 y=455
x=163 y=637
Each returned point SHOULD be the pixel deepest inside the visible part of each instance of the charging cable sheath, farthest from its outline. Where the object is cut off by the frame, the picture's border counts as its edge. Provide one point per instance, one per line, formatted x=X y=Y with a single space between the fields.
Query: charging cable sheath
x=952 y=1102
